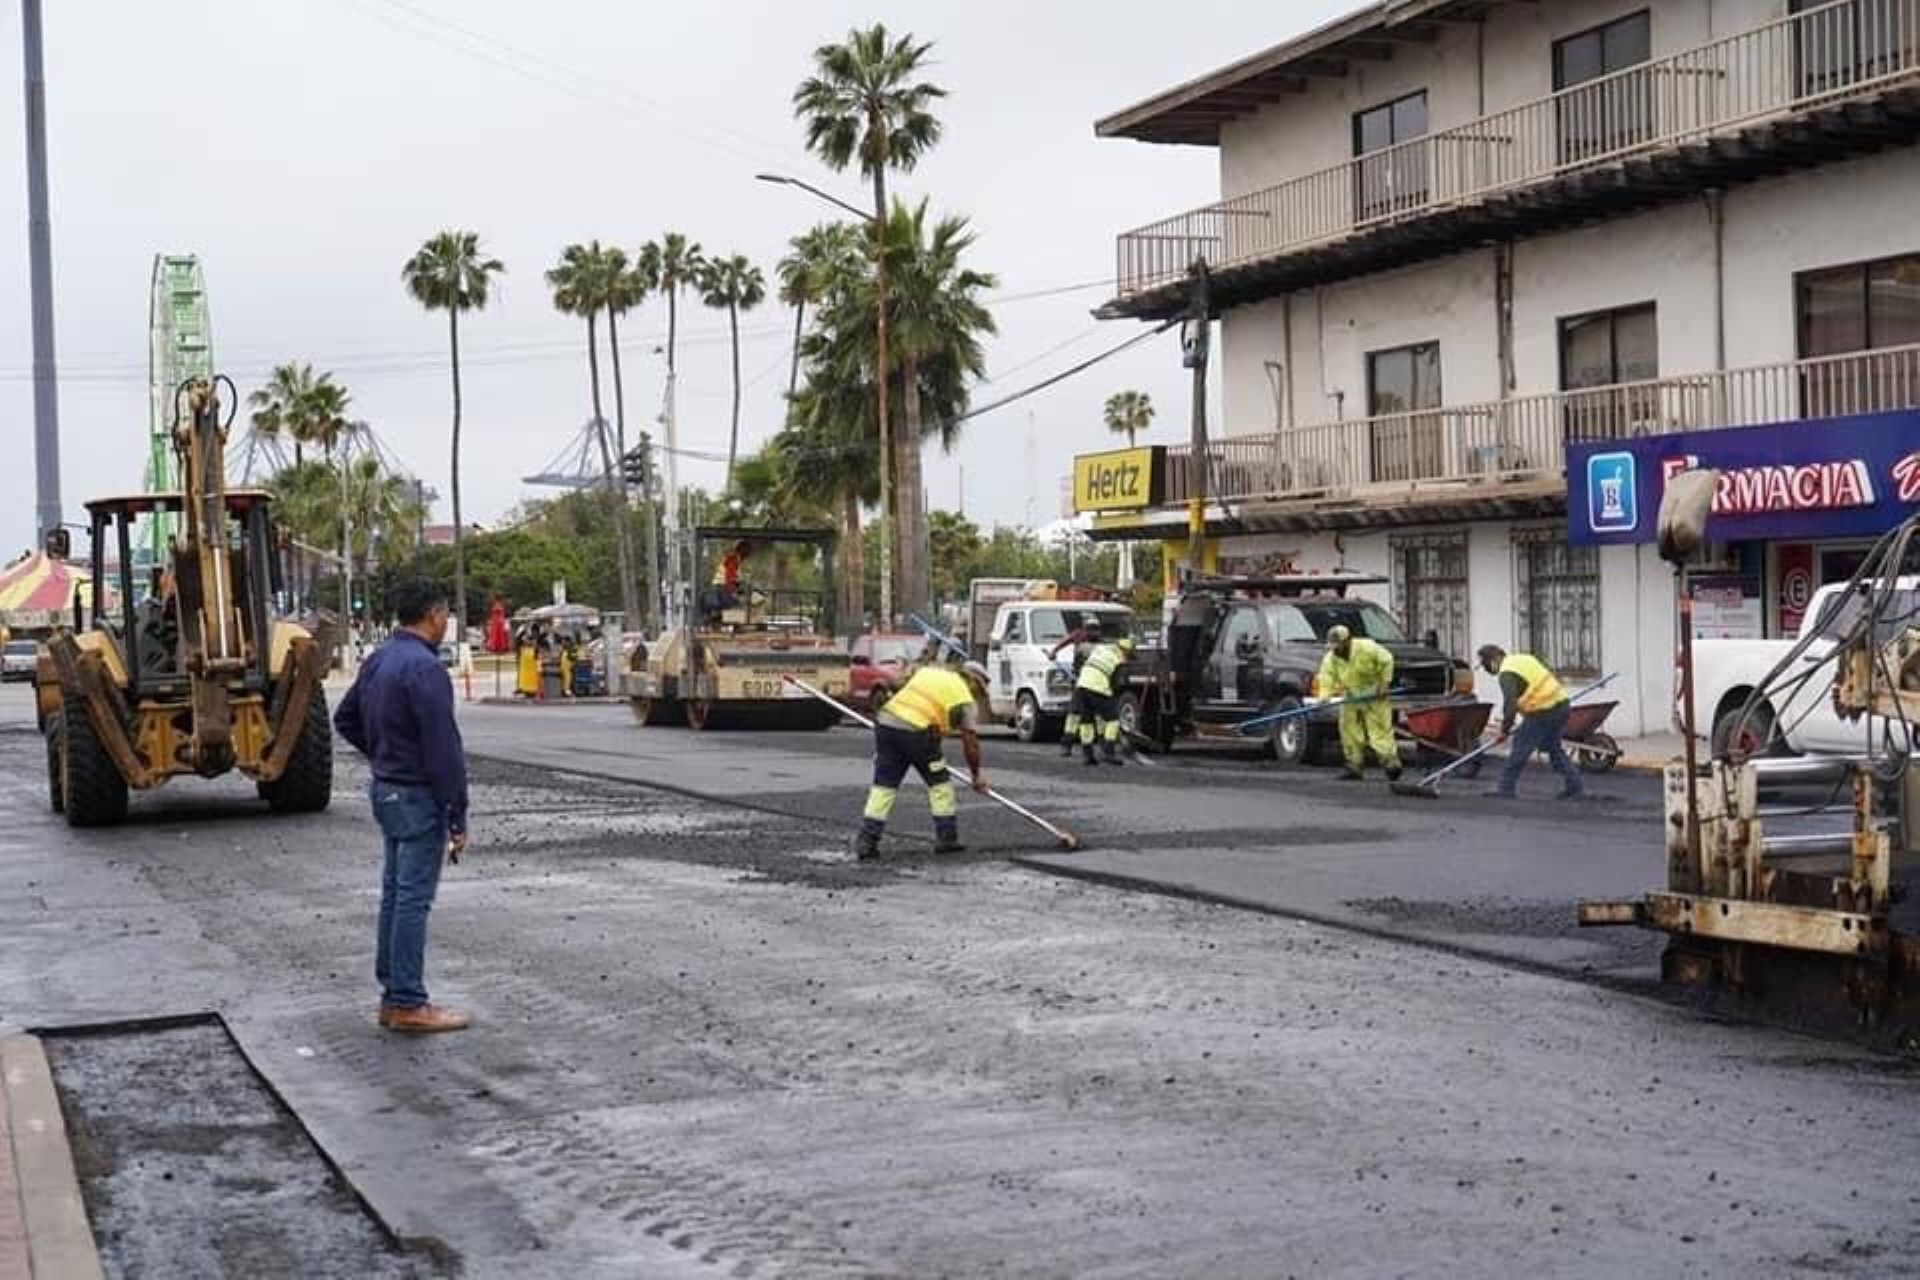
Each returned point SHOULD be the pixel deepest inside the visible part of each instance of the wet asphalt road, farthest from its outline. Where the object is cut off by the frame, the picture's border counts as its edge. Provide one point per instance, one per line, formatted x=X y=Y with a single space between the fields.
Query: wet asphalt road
x=707 y=1045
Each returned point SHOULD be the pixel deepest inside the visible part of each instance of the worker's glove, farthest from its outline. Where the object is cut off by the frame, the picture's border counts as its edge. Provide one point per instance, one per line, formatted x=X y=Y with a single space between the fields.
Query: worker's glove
x=456 y=845
x=980 y=783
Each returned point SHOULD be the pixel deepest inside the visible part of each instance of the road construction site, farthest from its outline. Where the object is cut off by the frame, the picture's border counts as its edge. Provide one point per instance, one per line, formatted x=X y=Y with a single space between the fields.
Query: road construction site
x=707 y=1042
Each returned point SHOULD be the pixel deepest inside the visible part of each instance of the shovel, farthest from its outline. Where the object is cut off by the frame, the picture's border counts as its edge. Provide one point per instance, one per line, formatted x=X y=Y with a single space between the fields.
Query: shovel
x=1427 y=788
x=1067 y=839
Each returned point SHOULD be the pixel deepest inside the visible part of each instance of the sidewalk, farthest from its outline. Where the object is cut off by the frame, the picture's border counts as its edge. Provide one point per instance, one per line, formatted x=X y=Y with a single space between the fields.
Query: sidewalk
x=43 y=1221
x=1650 y=752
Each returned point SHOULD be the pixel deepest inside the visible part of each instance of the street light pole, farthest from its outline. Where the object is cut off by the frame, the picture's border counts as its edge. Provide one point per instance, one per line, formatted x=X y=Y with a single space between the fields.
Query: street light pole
x=46 y=398
x=881 y=365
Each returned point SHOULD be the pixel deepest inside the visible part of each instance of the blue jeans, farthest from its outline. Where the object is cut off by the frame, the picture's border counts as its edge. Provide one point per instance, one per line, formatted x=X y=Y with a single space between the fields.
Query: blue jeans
x=415 y=827
x=1540 y=731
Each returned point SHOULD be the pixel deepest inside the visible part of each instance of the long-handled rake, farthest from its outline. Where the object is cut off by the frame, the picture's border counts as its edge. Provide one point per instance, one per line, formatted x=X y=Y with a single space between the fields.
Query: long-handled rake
x=1427 y=788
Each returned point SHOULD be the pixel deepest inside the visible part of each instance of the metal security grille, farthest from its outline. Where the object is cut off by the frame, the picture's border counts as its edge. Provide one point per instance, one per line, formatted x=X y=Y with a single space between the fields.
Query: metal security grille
x=1557 y=600
x=1430 y=587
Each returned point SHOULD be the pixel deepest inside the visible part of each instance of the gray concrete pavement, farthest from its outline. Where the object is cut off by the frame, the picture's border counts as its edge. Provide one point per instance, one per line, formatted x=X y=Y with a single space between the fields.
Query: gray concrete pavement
x=707 y=1045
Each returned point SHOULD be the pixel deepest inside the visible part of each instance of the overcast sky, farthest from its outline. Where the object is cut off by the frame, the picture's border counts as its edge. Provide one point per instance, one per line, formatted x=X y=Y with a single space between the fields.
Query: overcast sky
x=304 y=148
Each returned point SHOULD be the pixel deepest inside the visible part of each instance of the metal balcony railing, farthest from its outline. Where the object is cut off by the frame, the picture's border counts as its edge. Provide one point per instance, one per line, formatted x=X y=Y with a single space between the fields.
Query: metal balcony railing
x=1502 y=442
x=1789 y=65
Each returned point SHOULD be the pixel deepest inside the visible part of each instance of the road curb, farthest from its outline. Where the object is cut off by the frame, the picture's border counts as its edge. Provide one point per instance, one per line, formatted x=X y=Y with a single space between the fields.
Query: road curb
x=55 y=1236
x=1641 y=764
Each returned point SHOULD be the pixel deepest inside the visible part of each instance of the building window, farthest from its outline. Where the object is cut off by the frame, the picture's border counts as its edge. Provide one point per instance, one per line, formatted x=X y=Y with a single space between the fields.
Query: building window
x=1430 y=587
x=1604 y=349
x=1403 y=399
x=1868 y=306
x=1838 y=46
x=1556 y=600
x=1615 y=113
x=1394 y=182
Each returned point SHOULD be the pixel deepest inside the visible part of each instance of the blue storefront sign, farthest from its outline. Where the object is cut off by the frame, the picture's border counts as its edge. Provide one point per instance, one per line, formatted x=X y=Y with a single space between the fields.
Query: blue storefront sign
x=1819 y=478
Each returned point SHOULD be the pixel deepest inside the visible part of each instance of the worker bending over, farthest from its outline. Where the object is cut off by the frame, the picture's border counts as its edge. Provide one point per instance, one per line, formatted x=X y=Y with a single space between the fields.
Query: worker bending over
x=907 y=733
x=1531 y=691
x=1099 y=707
x=1080 y=639
x=1360 y=669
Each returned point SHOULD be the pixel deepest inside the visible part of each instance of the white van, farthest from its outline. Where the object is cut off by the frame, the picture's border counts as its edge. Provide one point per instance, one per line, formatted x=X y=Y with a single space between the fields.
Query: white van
x=1030 y=692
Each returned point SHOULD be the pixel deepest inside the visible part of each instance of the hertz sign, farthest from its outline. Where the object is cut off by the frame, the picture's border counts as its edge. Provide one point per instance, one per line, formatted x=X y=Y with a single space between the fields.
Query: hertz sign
x=1122 y=480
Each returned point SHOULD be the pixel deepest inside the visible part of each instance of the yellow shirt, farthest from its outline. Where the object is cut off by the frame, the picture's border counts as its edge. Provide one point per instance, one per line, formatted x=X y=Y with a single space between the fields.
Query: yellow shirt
x=935 y=699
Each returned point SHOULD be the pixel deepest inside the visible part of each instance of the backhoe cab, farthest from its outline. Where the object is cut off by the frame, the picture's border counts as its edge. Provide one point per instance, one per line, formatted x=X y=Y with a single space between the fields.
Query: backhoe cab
x=188 y=671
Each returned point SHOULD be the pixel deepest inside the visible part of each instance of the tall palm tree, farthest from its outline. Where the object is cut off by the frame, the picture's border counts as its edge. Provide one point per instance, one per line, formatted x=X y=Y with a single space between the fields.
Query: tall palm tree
x=1128 y=413
x=667 y=266
x=735 y=285
x=939 y=323
x=298 y=404
x=627 y=289
x=582 y=282
x=450 y=273
x=815 y=259
x=865 y=105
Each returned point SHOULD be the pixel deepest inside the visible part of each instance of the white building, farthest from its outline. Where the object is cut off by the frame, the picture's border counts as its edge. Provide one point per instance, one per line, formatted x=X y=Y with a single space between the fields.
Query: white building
x=1458 y=239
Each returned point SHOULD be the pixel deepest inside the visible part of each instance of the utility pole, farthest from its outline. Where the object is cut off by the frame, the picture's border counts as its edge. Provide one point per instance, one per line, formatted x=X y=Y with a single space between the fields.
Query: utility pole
x=46 y=396
x=650 y=538
x=675 y=551
x=1194 y=344
x=346 y=550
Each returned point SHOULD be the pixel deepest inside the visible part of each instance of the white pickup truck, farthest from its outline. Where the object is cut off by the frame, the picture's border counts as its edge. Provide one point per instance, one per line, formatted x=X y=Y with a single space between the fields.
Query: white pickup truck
x=1802 y=719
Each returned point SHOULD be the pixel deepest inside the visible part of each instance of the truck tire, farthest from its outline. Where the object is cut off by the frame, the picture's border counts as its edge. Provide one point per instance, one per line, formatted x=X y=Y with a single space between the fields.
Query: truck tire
x=1293 y=740
x=55 y=796
x=1030 y=724
x=307 y=784
x=1735 y=741
x=92 y=790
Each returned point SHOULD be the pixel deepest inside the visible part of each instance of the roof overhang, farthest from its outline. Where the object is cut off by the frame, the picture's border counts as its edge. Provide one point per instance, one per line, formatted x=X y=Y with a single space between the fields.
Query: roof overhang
x=1193 y=112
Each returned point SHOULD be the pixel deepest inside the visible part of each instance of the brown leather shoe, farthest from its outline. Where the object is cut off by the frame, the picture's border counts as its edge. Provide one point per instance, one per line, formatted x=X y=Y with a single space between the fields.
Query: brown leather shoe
x=386 y=1015
x=425 y=1020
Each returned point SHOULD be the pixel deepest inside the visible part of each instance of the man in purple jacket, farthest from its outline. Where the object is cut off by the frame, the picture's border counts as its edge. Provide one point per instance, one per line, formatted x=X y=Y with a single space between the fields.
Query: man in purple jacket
x=399 y=714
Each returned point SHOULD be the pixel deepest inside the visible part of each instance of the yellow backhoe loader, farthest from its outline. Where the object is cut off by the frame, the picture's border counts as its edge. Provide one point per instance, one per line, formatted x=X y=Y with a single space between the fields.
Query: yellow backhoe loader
x=191 y=672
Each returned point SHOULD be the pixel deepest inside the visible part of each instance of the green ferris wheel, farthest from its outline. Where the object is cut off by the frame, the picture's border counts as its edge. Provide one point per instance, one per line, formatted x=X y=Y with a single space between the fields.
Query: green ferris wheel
x=180 y=339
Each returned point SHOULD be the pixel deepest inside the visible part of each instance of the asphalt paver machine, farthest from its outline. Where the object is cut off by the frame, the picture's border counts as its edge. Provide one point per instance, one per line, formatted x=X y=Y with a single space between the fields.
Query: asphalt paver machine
x=190 y=672
x=727 y=666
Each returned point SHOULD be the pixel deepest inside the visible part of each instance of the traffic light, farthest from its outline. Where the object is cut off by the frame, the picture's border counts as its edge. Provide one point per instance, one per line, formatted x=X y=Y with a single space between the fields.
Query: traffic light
x=636 y=466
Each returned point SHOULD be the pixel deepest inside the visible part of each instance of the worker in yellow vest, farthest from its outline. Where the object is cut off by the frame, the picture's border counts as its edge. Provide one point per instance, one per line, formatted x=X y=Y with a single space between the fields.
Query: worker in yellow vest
x=907 y=733
x=1362 y=670
x=1530 y=690
x=1099 y=705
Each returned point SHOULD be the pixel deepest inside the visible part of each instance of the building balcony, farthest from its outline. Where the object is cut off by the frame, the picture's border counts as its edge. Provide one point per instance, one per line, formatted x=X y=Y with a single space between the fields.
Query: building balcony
x=1505 y=458
x=1835 y=81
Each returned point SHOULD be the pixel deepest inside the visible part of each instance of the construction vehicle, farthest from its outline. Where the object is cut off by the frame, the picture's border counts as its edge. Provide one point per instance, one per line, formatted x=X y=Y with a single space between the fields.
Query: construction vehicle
x=192 y=672
x=1770 y=899
x=727 y=669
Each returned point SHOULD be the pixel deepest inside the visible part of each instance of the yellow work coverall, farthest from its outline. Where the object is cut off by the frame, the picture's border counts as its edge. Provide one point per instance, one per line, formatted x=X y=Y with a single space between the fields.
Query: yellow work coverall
x=1366 y=670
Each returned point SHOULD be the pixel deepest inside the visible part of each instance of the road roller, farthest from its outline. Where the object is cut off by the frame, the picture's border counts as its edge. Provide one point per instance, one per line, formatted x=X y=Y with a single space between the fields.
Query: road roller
x=764 y=613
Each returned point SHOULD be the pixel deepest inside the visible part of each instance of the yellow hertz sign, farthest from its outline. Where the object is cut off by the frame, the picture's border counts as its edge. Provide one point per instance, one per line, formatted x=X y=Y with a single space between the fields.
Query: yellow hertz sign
x=1122 y=480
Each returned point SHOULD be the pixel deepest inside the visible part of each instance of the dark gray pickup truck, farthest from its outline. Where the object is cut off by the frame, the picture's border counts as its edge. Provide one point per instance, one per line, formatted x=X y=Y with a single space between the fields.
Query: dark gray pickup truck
x=1238 y=648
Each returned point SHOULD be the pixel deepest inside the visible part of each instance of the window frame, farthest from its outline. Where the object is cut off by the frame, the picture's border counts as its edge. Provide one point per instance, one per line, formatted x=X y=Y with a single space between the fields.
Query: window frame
x=1536 y=611
x=1865 y=269
x=1396 y=184
x=1455 y=630
x=1600 y=29
x=1407 y=445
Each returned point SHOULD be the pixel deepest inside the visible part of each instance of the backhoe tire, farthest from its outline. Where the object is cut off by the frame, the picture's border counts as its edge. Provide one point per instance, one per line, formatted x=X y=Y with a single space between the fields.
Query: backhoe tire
x=92 y=790
x=55 y=795
x=307 y=785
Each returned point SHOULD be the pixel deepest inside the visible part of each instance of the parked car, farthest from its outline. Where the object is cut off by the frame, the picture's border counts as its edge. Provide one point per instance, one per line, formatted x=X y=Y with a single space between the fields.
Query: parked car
x=1800 y=717
x=18 y=660
x=880 y=664
x=1239 y=648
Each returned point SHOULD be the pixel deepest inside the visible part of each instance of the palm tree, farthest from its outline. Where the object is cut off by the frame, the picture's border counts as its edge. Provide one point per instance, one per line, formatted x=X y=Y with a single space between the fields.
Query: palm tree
x=864 y=105
x=737 y=285
x=300 y=405
x=582 y=283
x=667 y=266
x=627 y=289
x=939 y=323
x=1128 y=413
x=815 y=259
x=450 y=273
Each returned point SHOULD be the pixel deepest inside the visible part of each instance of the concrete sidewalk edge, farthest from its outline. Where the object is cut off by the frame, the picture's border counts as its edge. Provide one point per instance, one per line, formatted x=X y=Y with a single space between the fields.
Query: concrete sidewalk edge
x=59 y=1238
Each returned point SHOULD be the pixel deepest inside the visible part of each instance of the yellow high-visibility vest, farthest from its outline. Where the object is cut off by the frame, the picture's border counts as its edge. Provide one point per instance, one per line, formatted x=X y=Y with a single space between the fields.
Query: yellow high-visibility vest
x=929 y=700
x=1543 y=689
x=1096 y=673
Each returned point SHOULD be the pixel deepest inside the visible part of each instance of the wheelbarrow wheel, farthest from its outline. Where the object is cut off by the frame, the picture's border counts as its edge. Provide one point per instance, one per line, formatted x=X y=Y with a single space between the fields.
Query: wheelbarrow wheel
x=1601 y=753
